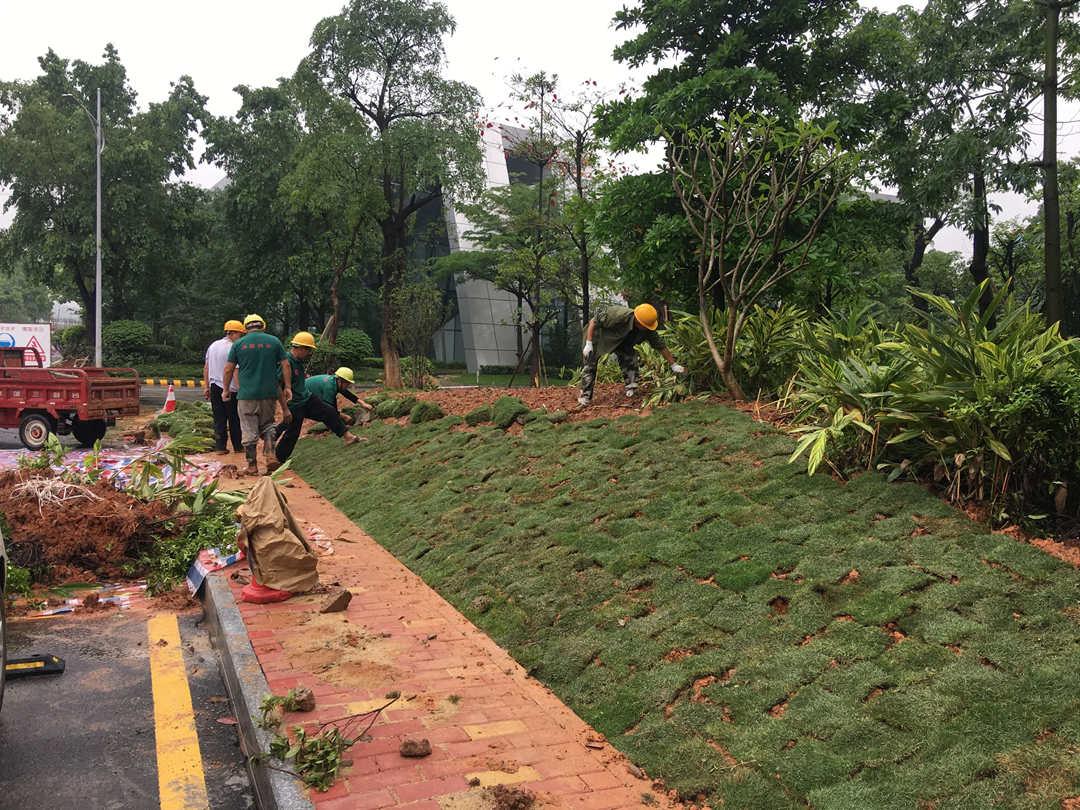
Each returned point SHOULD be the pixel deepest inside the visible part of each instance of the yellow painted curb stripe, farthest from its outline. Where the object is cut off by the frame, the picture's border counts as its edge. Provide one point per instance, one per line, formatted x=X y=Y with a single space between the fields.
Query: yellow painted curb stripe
x=181 y=783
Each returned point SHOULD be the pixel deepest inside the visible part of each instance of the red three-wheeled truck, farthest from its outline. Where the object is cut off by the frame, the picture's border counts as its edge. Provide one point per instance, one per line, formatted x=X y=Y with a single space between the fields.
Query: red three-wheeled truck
x=81 y=401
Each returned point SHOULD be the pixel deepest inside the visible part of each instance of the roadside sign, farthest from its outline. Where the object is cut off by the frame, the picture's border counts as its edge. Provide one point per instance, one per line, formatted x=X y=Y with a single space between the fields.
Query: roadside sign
x=30 y=335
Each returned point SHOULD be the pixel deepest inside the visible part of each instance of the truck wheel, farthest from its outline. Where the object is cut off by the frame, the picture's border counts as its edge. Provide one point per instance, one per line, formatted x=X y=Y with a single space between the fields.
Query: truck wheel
x=34 y=430
x=89 y=432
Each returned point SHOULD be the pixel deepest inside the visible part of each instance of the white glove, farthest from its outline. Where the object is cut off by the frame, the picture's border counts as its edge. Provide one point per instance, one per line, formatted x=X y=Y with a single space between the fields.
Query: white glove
x=678 y=369
x=587 y=350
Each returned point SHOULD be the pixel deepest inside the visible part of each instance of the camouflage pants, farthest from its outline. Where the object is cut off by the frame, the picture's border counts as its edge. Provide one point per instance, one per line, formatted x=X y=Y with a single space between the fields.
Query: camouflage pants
x=628 y=362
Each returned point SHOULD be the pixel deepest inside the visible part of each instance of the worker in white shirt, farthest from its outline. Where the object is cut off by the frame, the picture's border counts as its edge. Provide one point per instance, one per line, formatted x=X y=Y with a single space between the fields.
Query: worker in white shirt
x=226 y=414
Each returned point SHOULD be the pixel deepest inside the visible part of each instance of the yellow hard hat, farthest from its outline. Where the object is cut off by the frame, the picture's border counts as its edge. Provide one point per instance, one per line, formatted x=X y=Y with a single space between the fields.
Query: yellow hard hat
x=345 y=374
x=253 y=319
x=234 y=326
x=645 y=314
x=305 y=339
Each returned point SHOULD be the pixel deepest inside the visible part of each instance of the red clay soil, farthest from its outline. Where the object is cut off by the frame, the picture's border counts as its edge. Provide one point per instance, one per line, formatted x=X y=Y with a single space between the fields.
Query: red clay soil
x=79 y=539
x=609 y=401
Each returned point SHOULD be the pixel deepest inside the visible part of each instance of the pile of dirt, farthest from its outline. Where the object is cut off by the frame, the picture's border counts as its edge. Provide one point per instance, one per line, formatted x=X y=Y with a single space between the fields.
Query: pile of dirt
x=609 y=401
x=90 y=534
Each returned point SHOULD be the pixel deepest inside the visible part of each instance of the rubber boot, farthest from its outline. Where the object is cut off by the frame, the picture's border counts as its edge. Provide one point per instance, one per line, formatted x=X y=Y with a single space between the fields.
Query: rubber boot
x=251 y=451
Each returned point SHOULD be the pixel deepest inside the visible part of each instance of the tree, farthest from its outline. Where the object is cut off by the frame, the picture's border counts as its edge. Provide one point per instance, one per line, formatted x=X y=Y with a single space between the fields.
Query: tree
x=47 y=164
x=1054 y=289
x=22 y=300
x=523 y=251
x=977 y=72
x=640 y=219
x=755 y=195
x=562 y=133
x=718 y=57
x=333 y=185
x=384 y=59
x=419 y=311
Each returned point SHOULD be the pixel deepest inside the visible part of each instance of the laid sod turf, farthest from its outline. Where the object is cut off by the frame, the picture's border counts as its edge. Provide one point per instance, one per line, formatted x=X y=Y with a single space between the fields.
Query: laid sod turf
x=738 y=629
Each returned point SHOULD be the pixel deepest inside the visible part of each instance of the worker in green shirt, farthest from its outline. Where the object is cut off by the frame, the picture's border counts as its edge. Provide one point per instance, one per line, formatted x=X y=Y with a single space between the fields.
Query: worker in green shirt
x=320 y=404
x=618 y=330
x=260 y=360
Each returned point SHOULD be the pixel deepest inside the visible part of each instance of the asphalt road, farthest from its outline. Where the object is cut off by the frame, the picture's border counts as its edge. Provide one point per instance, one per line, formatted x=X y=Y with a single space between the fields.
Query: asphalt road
x=86 y=739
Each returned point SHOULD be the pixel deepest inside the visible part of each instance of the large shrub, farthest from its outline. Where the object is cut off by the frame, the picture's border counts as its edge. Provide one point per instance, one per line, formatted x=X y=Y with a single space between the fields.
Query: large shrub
x=125 y=343
x=74 y=342
x=353 y=347
x=766 y=353
x=985 y=403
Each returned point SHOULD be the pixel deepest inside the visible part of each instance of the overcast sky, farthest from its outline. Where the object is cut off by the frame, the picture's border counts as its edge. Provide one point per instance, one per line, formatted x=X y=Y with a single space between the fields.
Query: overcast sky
x=228 y=42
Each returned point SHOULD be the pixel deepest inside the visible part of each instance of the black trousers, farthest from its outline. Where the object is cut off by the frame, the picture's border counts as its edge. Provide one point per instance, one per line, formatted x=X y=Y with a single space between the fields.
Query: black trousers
x=315 y=409
x=226 y=420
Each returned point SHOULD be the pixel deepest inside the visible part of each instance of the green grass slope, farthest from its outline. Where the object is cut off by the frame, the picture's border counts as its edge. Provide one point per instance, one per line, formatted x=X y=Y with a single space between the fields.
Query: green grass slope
x=738 y=629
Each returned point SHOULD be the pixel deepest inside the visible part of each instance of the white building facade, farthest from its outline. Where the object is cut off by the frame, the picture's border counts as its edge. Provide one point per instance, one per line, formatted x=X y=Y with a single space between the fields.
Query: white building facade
x=484 y=333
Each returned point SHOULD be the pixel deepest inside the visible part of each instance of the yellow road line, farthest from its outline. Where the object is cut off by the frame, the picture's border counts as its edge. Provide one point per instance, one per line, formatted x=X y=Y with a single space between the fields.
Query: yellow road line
x=181 y=783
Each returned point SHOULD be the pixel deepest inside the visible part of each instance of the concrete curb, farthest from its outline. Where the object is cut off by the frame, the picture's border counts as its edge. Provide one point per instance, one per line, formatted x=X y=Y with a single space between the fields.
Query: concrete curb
x=247 y=686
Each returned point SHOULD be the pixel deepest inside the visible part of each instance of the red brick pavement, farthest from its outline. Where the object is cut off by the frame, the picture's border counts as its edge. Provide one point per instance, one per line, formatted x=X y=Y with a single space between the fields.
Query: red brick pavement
x=487 y=721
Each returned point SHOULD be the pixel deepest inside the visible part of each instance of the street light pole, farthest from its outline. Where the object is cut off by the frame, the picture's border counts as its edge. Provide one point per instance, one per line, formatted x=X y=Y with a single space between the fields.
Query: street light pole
x=99 y=147
x=97 y=268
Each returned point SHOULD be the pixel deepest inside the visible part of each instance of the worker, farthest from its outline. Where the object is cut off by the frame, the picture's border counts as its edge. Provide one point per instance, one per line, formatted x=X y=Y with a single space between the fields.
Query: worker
x=320 y=404
x=327 y=387
x=619 y=330
x=226 y=416
x=258 y=357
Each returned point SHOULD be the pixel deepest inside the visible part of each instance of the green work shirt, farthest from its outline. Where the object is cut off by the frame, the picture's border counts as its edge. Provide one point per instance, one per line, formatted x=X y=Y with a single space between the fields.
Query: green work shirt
x=300 y=394
x=258 y=357
x=323 y=386
x=615 y=328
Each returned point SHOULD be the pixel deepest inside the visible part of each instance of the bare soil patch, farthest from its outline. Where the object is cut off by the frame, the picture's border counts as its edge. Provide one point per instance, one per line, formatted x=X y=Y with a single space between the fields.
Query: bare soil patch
x=609 y=400
x=339 y=654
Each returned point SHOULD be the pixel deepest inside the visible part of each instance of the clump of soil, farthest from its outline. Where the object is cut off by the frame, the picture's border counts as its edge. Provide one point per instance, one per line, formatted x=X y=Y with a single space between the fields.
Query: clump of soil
x=512 y=798
x=415 y=748
x=78 y=539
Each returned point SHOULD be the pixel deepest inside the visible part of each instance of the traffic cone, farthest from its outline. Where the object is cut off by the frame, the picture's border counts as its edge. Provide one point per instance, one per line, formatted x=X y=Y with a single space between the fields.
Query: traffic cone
x=170 y=401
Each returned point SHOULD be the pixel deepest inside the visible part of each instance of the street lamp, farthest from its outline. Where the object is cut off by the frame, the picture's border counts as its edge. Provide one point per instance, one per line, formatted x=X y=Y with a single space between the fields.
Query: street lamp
x=99 y=138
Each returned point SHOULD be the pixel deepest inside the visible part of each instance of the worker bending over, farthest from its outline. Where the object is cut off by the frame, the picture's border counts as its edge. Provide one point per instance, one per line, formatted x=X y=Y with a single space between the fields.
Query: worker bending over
x=319 y=403
x=618 y=330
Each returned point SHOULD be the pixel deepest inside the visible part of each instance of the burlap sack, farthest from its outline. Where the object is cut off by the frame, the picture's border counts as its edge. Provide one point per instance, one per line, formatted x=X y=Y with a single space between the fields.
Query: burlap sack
x=278 y=553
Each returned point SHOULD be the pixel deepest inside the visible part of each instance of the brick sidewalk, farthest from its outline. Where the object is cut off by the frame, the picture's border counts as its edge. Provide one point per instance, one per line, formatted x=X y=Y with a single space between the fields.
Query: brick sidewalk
x=487 y=721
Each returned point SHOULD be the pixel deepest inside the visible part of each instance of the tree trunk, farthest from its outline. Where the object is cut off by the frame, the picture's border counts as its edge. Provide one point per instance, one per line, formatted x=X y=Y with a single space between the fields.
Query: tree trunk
x=330 y=332
x=1054 y=307
x=536 y=356
x=303 y=311
x=921 y=241
x=723 y=363
x=393 y=267
x=391 y=360
x=980 y=239
x=584 y=285
x=518 y=329
x=86 y=295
